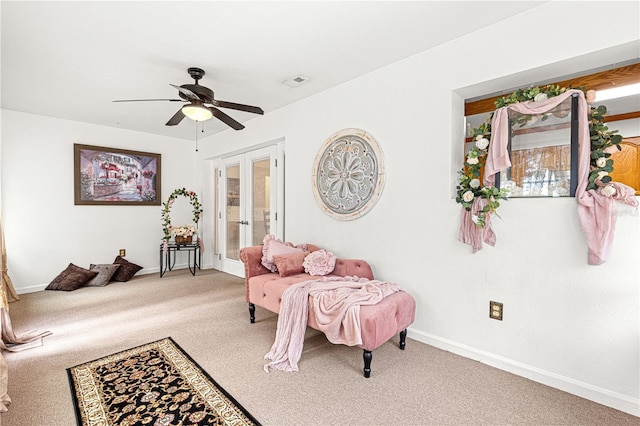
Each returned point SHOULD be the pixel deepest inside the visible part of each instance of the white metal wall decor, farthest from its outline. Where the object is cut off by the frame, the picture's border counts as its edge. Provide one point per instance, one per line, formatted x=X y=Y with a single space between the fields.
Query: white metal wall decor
x=348 y=174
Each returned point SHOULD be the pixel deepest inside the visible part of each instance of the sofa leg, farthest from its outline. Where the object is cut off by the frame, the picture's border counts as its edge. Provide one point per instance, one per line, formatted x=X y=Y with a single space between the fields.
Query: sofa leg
x=403 y=338
x=366 y=355
x=252 y=313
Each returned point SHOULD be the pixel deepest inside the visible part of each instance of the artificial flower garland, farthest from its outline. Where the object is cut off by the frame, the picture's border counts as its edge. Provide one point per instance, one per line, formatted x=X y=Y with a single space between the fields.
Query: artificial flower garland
x=470 y=186
x=166 y=206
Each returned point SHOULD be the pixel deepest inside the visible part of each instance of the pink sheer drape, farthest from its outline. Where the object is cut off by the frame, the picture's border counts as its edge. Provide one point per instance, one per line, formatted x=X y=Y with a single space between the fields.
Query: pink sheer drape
x=10 y=341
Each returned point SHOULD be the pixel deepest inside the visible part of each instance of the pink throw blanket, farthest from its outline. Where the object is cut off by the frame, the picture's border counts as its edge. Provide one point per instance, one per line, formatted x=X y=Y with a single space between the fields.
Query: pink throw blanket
x=336 y=301
x=596 y=212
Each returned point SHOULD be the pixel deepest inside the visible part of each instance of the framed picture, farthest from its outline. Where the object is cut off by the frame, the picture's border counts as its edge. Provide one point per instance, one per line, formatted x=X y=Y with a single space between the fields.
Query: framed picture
x=113 y=176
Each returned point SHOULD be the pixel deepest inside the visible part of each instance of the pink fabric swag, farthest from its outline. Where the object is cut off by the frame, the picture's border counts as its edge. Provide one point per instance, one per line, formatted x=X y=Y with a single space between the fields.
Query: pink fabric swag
x=472 y=234
x=596 y=212
x=336 y=302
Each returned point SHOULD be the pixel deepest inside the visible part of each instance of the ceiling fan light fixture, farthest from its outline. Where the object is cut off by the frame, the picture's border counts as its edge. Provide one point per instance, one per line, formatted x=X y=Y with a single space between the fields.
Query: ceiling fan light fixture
x=197 y=112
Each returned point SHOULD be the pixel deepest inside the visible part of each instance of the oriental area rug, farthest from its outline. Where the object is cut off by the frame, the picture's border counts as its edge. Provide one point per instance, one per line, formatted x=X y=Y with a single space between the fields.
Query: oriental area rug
x=153 y=384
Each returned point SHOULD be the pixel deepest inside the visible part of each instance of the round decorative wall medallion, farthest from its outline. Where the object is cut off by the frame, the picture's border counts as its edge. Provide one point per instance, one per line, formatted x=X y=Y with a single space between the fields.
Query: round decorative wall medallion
x=348 y=174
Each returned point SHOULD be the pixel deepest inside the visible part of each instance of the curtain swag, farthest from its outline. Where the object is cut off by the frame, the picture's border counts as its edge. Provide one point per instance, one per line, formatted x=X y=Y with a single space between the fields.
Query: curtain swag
x=596 y=211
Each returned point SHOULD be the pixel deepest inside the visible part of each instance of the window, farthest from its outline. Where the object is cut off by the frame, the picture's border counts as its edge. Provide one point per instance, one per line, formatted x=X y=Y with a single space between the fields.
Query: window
x=544 y=153
x=539 y=149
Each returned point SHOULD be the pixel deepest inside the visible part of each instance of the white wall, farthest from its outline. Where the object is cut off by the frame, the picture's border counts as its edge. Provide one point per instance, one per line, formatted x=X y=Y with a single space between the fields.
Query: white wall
x=566 y=323
x=45 y=230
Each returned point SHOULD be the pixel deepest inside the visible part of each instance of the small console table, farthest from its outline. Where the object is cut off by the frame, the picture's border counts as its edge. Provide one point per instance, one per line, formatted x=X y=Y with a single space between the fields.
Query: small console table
x=168 y=257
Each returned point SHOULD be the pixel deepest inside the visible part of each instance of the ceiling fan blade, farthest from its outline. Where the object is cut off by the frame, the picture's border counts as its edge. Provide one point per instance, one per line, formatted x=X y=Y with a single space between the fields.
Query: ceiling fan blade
x=240 y=107
x=188 y=93
x=176 y=119
x=226 y=119
x=146 y=100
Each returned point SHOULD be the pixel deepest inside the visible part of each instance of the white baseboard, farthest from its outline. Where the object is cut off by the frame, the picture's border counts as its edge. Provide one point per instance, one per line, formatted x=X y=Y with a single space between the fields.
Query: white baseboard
x=144 y=271
x=31 y=289
x=597 y=394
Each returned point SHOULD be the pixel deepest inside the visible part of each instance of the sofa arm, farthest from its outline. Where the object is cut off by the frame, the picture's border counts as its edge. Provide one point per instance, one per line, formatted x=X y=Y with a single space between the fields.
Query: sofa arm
x=251 y=257
x=353 y=267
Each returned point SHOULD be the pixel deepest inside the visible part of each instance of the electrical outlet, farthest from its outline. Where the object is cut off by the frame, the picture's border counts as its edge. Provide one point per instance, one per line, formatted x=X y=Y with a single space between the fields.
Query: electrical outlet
x=123 y=253
x=495 y=310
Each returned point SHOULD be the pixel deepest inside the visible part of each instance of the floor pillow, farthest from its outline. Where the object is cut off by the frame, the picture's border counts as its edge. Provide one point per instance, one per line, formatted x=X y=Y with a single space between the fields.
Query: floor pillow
x=72 y=278
x=126 y=271
x=105 y=272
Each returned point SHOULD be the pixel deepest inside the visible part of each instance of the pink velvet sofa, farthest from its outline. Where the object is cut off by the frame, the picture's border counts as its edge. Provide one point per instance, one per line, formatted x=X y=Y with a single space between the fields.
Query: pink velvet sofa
x=379 y=323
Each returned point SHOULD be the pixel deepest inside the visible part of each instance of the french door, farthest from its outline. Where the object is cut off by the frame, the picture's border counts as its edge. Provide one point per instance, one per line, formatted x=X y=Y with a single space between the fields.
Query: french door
x=248 y=204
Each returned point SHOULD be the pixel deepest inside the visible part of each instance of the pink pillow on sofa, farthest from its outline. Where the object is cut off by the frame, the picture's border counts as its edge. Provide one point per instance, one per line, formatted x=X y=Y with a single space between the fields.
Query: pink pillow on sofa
x=274 y=247
x=290 y=264
x=319 y=262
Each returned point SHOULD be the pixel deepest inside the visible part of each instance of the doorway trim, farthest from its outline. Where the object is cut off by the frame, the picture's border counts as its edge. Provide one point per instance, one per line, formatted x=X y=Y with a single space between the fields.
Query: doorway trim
x=214 y=199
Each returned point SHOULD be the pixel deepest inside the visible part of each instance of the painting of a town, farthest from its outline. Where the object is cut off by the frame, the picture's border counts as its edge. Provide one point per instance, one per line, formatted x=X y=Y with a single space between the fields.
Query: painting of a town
x=104 y=176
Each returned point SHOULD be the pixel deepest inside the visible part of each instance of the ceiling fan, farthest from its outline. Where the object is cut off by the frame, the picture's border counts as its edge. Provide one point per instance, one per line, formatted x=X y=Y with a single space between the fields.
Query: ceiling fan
x=201 y=105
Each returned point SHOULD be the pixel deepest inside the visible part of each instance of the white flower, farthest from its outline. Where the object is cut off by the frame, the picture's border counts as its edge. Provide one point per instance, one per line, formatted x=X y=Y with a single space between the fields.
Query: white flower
x=601 y=162
x=482 y=143
x=474 y=219
x=540 y=97
x=475 y=183
x=468 y=196
x=601 y=174
x=472 y=160
x=183 y=230
x=608 y=191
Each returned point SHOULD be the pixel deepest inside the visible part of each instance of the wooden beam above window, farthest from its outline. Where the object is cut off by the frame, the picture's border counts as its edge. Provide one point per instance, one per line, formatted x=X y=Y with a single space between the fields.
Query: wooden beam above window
x=608 y=79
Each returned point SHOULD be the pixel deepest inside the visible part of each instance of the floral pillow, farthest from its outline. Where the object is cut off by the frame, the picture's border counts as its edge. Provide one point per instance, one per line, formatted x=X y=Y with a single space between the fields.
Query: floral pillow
x=320 y=262
x=290 y=264
x=274 y=247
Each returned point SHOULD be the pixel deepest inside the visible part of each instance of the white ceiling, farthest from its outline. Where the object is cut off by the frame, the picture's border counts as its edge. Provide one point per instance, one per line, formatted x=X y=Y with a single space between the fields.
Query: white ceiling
x=72 y=59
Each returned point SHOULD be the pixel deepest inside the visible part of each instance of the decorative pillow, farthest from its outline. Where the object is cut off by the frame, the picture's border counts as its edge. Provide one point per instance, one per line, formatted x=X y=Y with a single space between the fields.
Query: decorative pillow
x=320 y=262
x=274 y=247
x=105 y=272
x=126 y=270
x=290 y=264
x=72 y=278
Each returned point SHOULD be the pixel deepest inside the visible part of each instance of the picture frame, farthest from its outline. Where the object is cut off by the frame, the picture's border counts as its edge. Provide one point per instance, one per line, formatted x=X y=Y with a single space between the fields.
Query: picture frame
x=114 y=176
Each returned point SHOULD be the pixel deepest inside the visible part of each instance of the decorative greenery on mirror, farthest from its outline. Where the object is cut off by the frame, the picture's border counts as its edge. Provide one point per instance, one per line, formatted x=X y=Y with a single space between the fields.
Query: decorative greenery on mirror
x=167 y=227
x=470 y=184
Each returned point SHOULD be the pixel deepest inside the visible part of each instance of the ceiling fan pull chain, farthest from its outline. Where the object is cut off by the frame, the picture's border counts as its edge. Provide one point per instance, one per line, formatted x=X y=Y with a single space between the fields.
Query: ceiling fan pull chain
x=196 y=136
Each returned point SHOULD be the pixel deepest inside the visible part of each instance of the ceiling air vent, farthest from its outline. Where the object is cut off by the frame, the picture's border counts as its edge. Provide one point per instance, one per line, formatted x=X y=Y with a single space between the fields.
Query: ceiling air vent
x=296 y=81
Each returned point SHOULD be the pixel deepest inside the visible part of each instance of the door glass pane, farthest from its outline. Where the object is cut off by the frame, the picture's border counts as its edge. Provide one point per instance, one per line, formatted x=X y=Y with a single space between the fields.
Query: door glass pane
x=216 y=230
x=233 y=212
x=261 y=200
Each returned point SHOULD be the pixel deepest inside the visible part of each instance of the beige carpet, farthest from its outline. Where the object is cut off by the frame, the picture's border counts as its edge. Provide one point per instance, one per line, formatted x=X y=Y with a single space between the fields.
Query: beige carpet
x=208 y=317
